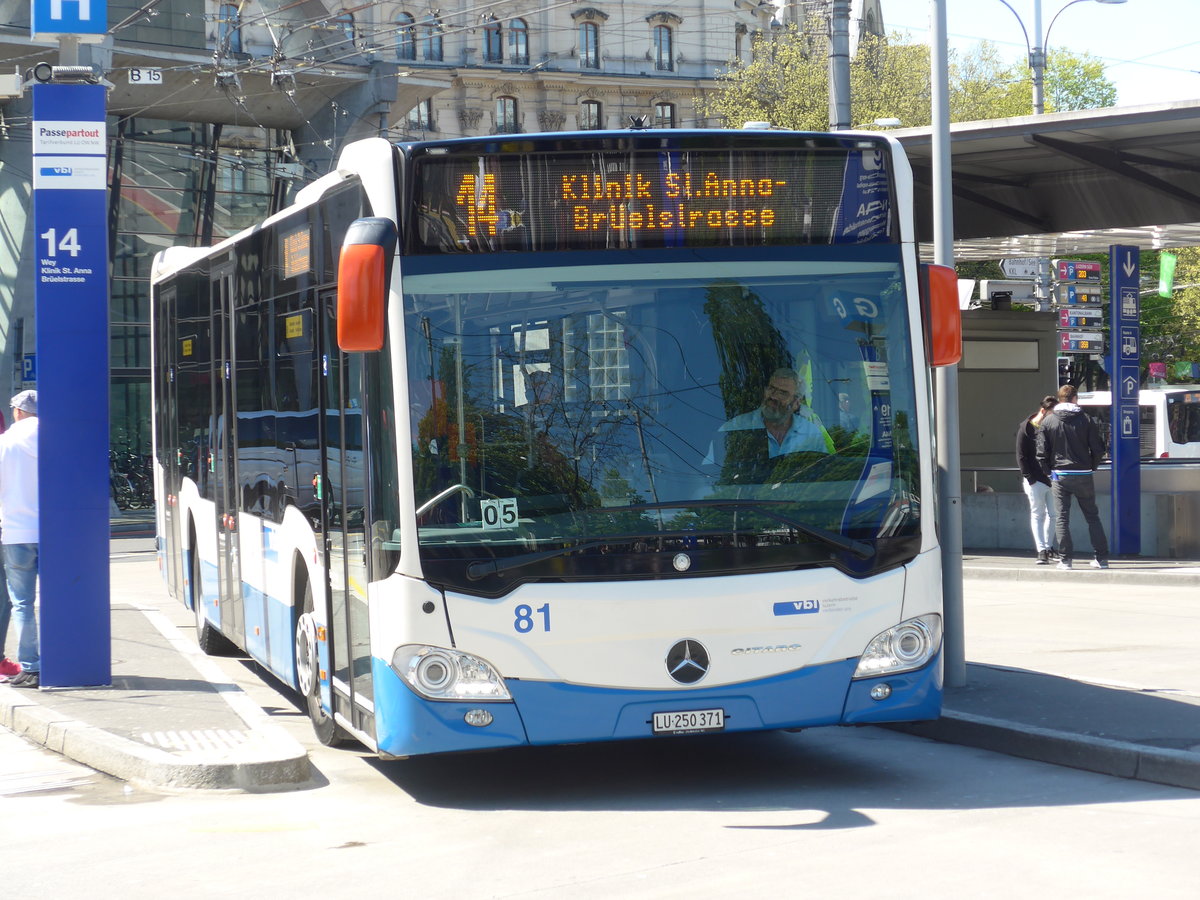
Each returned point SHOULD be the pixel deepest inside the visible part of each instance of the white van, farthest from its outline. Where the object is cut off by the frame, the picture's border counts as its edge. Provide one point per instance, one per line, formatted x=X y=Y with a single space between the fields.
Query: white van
x=1169 y=419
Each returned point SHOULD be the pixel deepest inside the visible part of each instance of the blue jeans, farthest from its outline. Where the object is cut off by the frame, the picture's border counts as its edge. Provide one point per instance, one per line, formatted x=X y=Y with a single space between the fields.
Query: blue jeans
x=1083 y=489
x=21 y=569
x=5 y=611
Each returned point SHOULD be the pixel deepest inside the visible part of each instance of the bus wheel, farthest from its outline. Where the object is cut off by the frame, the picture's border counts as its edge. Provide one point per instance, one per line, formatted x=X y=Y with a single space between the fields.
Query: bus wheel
x=308 y=675
x=211 y=641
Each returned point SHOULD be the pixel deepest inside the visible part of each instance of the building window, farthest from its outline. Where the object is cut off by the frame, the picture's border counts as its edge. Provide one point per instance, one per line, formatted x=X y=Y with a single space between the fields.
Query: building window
x=431 y=40
x=664 y=115
x=229 y=29
x=506 y=115
x=590 y=115
x=420 y=117
x=664 y=59
x=493 y=45
x=344 y=22
x=518 y=42
x=406 y=37
x=589 y=45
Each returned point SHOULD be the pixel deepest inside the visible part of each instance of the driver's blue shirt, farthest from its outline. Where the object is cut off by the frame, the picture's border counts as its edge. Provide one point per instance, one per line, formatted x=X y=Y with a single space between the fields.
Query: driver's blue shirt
x=806 y=432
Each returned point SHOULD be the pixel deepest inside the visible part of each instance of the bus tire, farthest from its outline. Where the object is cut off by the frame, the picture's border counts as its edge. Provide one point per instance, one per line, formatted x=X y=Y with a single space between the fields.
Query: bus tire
x=211 y=641
x=308 y=674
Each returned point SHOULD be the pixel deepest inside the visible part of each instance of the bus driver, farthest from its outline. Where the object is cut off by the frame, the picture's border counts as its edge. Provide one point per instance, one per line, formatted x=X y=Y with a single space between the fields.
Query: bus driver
x=791 y=425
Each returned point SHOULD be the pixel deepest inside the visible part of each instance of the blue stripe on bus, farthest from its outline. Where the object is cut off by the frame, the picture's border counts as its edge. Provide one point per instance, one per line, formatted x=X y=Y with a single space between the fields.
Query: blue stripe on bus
x=272 y=617
x=282 y=647
x=254 y=604
x=274 y=643
x=555 y=713
x=209 y=591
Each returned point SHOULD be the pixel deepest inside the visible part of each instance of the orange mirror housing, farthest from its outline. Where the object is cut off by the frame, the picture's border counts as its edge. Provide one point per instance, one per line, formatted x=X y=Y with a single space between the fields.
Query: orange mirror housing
x=941 y=314
x=364 y=269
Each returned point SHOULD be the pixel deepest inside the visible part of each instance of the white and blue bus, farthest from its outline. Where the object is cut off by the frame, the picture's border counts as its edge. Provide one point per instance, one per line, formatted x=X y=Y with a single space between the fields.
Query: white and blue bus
x=624 y=434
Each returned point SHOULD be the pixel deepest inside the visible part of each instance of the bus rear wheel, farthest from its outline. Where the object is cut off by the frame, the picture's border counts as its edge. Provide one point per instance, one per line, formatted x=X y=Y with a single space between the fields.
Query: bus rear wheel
x=308 y=674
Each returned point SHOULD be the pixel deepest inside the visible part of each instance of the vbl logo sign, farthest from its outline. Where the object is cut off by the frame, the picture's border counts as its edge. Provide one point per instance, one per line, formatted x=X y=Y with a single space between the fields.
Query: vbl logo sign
x=798 y=607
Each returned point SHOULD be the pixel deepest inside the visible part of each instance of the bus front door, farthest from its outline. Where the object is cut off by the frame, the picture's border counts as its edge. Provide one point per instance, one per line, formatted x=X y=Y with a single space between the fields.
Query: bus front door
x=343 y=499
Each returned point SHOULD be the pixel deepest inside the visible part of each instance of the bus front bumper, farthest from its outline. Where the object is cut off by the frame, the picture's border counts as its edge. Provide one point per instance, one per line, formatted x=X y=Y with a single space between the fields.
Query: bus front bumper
x=544 y=712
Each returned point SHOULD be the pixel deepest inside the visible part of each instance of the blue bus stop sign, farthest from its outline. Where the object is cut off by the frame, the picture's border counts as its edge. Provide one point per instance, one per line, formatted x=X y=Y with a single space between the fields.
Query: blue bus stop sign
x=1124 y=264
x=71 y=298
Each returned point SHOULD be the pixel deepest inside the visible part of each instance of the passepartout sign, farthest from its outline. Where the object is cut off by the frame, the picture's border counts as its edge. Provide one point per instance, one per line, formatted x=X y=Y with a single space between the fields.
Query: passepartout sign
x=84 y=138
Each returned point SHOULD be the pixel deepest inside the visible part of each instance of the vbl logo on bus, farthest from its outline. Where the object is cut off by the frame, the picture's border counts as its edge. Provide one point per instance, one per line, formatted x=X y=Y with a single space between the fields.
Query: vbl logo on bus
x=798 y=607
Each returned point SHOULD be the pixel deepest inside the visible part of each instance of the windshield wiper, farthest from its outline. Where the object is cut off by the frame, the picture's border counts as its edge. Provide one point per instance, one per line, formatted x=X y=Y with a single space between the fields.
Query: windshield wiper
x=861 y=549
x=483 y=568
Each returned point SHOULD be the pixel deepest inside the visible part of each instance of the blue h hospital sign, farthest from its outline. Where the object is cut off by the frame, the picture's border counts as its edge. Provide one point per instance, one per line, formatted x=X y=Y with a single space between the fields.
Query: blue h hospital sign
x=54 y=17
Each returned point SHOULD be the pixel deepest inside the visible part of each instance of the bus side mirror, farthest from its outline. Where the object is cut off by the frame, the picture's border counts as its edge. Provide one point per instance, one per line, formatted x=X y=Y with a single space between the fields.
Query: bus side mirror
x=364 y=271
x=941 y=315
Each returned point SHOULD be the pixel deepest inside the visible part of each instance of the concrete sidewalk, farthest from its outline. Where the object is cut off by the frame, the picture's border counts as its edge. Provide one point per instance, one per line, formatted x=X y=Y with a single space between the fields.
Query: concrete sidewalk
x=171 y=719
x=1134 y=716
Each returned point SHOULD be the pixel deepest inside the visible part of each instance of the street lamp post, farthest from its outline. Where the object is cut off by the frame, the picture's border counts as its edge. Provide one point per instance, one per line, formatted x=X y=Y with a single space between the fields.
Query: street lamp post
x=1037 y=52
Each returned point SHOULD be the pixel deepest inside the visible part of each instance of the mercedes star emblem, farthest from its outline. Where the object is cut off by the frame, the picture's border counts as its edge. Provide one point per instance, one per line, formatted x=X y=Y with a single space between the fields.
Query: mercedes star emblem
x=687 y=661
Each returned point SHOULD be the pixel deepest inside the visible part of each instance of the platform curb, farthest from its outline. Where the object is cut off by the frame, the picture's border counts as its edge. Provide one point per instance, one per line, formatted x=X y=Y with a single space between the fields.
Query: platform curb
x=1178 y=768
x=287 y=767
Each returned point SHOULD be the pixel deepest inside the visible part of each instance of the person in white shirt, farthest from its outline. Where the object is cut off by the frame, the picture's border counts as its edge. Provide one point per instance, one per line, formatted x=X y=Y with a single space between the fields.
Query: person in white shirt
x=19 y=534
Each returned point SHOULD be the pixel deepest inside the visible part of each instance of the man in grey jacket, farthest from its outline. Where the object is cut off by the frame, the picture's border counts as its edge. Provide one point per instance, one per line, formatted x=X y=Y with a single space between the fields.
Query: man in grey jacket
x=1069 y=449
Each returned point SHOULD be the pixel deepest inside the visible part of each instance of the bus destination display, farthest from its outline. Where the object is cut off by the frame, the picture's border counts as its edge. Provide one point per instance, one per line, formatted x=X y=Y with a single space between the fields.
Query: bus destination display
x=660 y=199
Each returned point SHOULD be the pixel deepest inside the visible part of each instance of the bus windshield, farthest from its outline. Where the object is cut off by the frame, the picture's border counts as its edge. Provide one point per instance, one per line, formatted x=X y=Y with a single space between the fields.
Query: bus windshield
x=740 y=410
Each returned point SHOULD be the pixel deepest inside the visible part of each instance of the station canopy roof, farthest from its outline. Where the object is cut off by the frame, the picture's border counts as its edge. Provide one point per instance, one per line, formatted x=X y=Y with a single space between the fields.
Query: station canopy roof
x=1066 y=183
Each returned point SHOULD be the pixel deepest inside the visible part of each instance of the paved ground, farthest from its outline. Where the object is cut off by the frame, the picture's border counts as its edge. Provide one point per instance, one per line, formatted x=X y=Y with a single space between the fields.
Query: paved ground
x=171 y=719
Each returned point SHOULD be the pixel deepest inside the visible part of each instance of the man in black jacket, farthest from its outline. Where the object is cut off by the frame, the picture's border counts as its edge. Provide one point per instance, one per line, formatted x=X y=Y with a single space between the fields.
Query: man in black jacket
x=1069 y=449
x=1035 y=482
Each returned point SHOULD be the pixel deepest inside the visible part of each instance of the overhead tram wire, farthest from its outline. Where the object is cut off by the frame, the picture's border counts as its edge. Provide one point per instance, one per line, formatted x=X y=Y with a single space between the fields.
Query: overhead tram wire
x=313 y=63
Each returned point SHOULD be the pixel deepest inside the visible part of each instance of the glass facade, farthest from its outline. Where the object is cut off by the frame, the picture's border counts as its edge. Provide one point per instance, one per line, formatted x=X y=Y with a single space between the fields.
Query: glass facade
x=162 y=201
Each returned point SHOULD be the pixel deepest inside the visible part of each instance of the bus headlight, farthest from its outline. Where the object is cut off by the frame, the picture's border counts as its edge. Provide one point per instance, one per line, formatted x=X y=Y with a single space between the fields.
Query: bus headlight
x=441 y=674
x=902 y=648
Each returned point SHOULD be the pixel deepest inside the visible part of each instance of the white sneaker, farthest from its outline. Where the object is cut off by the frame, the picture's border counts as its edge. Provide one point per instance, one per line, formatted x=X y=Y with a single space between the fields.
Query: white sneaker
x=1099 y=564
x=1063 y=564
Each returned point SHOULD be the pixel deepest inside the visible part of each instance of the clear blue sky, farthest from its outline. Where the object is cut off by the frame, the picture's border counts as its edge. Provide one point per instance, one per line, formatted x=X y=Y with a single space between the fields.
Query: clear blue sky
x=1150 y=48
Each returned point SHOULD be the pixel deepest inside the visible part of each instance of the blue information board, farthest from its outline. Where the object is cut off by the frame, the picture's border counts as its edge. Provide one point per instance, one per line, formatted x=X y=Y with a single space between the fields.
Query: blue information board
x=1124 y=264
x=71 y=299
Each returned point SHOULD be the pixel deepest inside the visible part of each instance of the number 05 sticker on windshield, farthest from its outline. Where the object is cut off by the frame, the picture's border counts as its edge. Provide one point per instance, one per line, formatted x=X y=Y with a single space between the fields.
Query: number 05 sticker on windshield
x=499 y=513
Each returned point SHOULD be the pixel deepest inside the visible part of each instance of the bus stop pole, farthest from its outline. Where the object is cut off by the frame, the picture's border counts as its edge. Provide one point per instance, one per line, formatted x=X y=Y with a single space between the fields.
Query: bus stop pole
x=949 y=466
x=71 y=294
